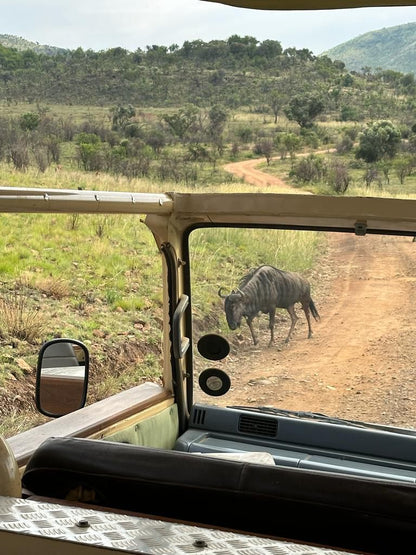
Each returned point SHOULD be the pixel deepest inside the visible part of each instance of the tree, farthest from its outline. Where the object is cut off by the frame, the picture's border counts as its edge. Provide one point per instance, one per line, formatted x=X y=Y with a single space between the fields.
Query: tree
x=121 y=115
x=338 y=177
x=241 y=47
x=245 y=133
x=404 y=167
x=309 y=170
x=349 y=113
x=157 y=54
x=269 y=49
x=264 y=148
x=275 y=103
x=347 y=80
x=345 y=144
x=408 y=81
x=89 y=151
x=371 y=174
x=381 y=139
x=304 y=108
x=217 y=119
x=29 y=121
x=287 y=143
x=155 y=138
x=181 y=121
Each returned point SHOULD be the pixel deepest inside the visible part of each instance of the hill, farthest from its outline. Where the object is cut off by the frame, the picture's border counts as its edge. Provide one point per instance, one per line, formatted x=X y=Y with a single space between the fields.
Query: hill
x=233 y=73
x=391 y=48
x=21 y=44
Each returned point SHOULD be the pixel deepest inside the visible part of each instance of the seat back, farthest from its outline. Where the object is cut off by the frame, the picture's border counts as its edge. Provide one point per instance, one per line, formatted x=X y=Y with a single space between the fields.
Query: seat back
x=328 y=509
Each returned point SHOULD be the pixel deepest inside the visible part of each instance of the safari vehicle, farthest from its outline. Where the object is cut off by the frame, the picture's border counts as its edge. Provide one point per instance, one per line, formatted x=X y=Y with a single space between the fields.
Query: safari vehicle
x=192 y=464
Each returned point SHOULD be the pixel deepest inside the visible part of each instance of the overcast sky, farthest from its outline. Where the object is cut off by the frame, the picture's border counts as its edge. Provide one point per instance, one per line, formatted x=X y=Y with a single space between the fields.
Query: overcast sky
x=132 y=24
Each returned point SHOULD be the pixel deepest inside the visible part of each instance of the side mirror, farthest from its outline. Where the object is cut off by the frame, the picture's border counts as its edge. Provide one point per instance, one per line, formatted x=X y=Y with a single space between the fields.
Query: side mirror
x=61 y=377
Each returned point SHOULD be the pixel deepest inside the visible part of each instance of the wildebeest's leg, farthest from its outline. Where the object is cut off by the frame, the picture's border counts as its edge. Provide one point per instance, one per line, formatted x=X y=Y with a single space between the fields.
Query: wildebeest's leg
x=305 y=306
x=294 y=318
x=272 y=315
x=250 y=325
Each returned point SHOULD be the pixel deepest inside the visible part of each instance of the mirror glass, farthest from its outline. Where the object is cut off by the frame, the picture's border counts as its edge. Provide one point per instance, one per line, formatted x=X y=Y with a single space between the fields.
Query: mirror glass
x=62 y=377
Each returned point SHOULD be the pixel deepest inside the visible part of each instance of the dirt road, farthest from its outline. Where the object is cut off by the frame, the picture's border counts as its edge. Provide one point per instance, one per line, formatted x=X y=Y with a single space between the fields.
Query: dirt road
x=361 y=360
x=248 y=172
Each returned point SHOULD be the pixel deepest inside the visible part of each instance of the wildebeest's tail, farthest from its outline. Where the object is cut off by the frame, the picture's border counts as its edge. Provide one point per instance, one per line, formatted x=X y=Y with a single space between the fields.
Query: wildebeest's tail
x=314 y=310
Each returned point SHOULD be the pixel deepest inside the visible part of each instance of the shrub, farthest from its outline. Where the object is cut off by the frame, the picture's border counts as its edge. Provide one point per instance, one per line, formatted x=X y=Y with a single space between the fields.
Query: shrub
x=19 y=318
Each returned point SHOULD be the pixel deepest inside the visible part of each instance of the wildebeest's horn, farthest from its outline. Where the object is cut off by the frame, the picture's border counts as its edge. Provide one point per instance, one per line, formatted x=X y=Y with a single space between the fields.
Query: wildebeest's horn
x=220 y=294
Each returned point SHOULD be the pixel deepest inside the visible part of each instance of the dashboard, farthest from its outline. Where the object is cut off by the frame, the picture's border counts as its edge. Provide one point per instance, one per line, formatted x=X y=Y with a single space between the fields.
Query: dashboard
x=302 y=443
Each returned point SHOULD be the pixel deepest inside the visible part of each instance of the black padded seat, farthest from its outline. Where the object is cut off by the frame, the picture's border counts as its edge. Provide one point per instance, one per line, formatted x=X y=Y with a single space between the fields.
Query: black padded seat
x=329 y=509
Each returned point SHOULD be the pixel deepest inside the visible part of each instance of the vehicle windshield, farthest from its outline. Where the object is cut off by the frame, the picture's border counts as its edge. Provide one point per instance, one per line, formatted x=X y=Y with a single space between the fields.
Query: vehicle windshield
x=358 y=361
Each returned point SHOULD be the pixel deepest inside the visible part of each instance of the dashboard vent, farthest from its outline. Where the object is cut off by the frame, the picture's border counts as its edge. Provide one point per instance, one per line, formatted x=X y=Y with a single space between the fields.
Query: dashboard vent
x=257 y=426
x=198 y=417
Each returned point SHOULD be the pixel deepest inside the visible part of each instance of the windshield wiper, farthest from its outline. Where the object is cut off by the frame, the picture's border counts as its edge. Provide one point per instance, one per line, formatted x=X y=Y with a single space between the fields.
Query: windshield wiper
x=324 y=418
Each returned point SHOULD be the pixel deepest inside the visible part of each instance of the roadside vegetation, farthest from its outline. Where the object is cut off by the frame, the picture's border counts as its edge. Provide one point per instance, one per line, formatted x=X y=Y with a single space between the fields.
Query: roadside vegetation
x=93 y=277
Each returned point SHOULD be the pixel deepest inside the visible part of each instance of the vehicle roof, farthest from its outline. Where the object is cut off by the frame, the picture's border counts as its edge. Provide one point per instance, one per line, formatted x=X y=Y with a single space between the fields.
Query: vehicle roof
x=311 y=4
x=359 y=214
x=190 y=209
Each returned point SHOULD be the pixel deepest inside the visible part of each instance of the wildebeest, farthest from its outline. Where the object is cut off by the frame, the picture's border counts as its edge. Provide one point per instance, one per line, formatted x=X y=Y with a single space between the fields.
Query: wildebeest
x=265 y=289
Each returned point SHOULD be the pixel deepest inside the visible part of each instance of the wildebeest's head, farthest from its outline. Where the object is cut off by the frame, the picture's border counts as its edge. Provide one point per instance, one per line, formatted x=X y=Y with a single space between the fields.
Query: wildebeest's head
x=234 y=308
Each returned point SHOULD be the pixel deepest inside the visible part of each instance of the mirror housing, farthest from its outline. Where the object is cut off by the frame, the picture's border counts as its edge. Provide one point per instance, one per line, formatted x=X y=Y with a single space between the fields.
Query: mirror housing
x=61 y=377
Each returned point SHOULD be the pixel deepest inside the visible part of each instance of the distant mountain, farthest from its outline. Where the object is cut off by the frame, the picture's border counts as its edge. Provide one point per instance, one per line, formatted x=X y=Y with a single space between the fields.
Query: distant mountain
x=20 y=44
x=389 y=48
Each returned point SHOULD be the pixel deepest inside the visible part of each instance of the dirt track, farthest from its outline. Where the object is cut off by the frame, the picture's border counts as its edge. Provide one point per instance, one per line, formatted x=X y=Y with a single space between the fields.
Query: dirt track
x=352 y=366
x=247 y=171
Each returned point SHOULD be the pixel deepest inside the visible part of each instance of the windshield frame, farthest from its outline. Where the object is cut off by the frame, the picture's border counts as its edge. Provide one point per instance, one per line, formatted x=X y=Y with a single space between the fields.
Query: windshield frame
x=187 y=268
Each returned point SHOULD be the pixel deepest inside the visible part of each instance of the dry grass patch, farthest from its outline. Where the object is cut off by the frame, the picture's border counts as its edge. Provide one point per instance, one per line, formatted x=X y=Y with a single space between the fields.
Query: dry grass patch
x=19 y=318
x=54 y=287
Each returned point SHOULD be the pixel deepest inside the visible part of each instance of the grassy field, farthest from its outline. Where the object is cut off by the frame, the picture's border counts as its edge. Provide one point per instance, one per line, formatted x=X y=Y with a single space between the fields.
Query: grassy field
x=77 y=114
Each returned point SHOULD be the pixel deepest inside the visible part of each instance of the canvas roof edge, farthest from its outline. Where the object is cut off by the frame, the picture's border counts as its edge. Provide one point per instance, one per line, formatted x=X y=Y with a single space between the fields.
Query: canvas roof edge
x=306 y=5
